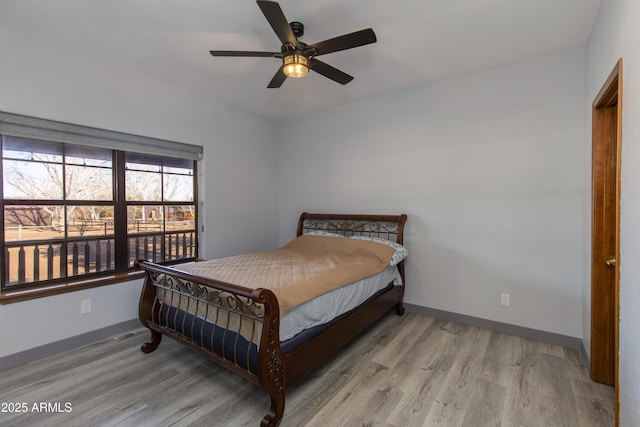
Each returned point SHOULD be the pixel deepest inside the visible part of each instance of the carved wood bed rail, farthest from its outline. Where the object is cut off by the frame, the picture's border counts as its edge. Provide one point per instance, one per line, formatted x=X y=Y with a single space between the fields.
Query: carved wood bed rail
x=238 y=327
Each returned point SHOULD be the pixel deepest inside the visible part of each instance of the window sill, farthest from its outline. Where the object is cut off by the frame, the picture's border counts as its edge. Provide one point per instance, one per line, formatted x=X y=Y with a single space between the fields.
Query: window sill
x=9 y=297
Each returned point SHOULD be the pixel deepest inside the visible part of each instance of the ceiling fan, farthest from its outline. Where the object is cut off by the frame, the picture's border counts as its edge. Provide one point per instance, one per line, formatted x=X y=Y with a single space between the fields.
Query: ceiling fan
x=298 y=57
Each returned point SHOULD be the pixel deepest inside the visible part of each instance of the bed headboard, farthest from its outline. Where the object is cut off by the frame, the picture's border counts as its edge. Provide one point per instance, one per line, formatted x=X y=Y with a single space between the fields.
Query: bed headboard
x=389 y=227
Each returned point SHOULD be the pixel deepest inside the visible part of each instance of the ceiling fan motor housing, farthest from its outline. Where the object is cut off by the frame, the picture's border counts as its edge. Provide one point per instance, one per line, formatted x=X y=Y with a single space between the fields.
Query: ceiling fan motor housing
x=297 y=28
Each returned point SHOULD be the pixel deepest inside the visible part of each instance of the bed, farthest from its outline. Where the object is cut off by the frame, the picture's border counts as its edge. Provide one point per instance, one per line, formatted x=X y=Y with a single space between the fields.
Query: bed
x=247 y=329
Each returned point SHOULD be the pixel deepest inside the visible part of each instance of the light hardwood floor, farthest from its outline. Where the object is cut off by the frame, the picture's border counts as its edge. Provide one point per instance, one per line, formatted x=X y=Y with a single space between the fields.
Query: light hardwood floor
x=405 y=371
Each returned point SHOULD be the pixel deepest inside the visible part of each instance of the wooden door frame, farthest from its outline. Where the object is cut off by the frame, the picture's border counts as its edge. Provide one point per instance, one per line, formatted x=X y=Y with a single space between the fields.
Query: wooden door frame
x=607 y=127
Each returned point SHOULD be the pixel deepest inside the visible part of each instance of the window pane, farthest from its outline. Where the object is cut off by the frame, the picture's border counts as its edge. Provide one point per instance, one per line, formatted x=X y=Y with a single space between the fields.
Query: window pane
x=90 y=256
x=89 y=183
x=145 y=247
x=178 y=188
x=143 y=186
x=181 y=166
x=90 y=220
x=143 y=162
x=179 y=245
x=27 y=149
x=87 y=156
x=180 y=217
x=144 y=219
x=33 y=263
x=33 y=223
x=32 y=180
x=178 y=171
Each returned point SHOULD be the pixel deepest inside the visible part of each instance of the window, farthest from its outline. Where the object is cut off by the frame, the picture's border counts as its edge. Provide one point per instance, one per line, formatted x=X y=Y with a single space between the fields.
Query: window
x=80 y=212
x=161 y=208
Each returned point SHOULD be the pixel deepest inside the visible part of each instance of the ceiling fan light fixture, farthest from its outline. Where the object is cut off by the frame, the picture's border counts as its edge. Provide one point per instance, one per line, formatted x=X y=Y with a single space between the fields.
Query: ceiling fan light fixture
x=295 y=65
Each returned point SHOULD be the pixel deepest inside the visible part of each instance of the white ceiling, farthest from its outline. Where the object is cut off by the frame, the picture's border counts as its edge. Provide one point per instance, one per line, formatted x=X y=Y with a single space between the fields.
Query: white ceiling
x=419 y=41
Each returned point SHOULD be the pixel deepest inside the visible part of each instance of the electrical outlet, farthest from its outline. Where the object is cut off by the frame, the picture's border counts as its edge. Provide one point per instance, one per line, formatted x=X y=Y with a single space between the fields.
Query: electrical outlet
x=85 y=306
x=505 y=299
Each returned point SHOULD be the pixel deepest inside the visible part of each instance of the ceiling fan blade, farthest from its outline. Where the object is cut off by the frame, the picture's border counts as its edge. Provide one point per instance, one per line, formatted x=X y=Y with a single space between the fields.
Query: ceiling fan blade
x=278 y=21
x=245 y=53
x=277 y=79
x=329 y=71
x=346 y=41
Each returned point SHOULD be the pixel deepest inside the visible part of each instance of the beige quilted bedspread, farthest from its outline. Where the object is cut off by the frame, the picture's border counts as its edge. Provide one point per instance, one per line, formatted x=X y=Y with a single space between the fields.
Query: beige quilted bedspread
x=305 y=268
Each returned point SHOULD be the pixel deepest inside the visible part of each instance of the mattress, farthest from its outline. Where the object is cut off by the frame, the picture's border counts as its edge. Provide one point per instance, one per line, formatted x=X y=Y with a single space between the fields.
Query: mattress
x=298 y=325
x=326 y=307
x=303 y=269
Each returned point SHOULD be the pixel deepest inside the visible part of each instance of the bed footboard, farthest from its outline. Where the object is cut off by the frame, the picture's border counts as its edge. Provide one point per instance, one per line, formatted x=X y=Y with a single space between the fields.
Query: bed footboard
x=234 y=326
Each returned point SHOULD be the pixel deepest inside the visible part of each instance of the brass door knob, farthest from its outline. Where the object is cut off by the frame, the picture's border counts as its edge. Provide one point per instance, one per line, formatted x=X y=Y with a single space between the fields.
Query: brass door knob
x=611 y=261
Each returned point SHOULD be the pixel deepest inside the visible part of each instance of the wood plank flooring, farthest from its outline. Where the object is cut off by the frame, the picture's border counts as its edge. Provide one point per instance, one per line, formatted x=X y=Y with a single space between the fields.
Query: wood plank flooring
x=405 y=371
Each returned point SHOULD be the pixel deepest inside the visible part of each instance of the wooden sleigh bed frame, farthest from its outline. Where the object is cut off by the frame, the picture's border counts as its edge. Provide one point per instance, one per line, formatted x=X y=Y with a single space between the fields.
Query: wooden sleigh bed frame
x=264 y=363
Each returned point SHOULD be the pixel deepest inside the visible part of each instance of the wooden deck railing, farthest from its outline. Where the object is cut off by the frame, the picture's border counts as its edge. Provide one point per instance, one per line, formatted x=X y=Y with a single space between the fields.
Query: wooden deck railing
x=37 y=261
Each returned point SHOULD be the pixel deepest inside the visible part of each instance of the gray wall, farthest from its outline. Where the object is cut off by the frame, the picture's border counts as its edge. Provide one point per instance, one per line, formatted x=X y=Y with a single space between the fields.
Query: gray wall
x=489 y=168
